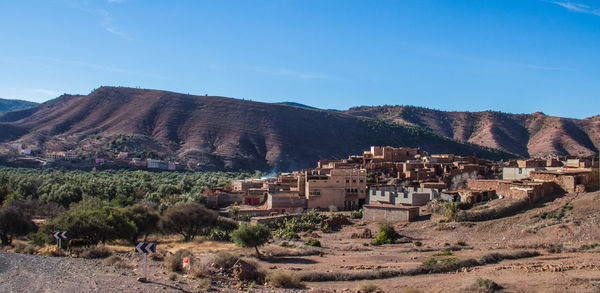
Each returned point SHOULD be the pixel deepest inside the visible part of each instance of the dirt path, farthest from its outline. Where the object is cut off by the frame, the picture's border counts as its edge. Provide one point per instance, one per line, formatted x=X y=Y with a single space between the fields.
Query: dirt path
x=30 y=273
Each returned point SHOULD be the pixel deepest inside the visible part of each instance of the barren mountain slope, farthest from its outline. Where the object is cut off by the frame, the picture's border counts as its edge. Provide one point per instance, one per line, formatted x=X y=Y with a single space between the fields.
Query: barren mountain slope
x=215 y=132
x=525 y=134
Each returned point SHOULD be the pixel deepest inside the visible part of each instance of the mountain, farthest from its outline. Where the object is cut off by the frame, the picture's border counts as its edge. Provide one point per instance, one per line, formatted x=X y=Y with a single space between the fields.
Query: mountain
x=293 y=104
x=213 y=132
x=525 y=134
x=10 y=105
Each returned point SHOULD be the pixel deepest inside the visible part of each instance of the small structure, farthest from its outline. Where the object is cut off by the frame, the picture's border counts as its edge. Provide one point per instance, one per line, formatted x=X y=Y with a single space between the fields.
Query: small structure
x=391 y=213
x=153 y=164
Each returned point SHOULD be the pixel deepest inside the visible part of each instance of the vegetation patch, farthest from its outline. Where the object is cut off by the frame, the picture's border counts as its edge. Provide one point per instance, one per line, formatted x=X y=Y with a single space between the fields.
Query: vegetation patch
x=387 y=234
x=279 y=279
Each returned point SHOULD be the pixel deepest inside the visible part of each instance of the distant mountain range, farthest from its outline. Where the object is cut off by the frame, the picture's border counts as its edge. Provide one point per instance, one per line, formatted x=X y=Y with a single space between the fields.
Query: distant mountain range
x=215 y=133
x=11 y=105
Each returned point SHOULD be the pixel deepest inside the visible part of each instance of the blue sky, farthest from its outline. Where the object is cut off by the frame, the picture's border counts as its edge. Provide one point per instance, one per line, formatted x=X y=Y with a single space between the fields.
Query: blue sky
x=512 y=56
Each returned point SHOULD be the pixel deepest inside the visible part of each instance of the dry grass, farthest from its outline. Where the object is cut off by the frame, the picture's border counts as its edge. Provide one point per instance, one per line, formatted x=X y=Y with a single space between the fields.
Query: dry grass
x=99 y=251
x=483 y=286
x=366 y=287
x=281 y=279
x=225 y=260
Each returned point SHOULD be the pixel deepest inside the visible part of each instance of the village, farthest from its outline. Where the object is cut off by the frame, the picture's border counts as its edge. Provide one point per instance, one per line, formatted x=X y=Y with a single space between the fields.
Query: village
x=394 y=184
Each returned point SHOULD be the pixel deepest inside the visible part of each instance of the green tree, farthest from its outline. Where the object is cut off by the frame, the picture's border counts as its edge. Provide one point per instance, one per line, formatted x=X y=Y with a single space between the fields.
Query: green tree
x=145 y=219
x=248 y=235
x=91 y=220
x=187 y=219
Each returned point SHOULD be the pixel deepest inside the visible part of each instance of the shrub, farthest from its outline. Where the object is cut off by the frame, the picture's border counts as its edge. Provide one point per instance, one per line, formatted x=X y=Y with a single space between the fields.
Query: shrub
x=443 y=253
x=279 y=279
x=387 y=234
x=219 y=235
x=14 y=222
x=430 y=262
x=174 y=262
x=112 y=260
x=99 y=251
x=460 y=243
x=447 y=260
x=90 y=220
x=225 y=260
x=451 y=210
x=366 y=287
x=356 y=214
x=187 y=219
x=417 y=243
x=484 y=285
x=145 y=219
x=251 y=236
x=172 y=276
x=313 y=242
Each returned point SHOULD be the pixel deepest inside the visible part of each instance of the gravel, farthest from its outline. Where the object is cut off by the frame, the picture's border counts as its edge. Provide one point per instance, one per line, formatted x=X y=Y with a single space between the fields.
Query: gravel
x=32 y=273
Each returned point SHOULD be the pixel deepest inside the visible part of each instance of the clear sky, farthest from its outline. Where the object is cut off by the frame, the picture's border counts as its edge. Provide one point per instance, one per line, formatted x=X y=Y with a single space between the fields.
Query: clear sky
x=517 y=56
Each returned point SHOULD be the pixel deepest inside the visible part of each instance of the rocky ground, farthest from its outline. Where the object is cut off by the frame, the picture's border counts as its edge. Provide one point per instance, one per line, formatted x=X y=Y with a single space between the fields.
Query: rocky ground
x=568 y=261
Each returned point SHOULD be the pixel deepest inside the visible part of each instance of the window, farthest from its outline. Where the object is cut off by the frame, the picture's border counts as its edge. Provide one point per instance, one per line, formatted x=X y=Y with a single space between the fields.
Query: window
x=353 y=180
x=405 y=195
x=347 y=180
x=361 y=181
x=520 y=171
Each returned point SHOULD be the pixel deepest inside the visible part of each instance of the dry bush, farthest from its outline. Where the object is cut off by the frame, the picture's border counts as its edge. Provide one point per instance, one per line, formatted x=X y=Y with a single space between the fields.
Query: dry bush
x=157 y=256
x=225 y=260
x=51 y=251
x=353 y=247
x=248 y=270
x=279 y=279
x=366 y=287
x=174 y=263
x=303 y=251
x=99 y=251
x=483 y=286
x=25 y=248
x=204 y=284
x=172 y=276
x=112 y=260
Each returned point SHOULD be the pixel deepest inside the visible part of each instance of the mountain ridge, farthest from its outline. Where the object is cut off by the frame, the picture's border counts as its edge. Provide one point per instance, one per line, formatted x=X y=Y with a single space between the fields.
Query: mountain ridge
x=214 y=132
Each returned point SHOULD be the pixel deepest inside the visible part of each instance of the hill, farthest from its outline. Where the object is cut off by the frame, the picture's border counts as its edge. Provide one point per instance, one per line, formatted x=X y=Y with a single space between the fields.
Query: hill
x=10 y=105
x=214 y=132
x=525 y=134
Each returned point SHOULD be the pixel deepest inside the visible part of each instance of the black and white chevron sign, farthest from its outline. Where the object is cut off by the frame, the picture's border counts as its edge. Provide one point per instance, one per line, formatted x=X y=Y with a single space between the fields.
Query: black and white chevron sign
x=60 y=235
x=146 y=247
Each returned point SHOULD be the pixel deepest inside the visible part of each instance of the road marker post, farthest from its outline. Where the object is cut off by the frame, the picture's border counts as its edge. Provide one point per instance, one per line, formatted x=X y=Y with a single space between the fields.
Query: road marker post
x=145 y=248
x=59 y=236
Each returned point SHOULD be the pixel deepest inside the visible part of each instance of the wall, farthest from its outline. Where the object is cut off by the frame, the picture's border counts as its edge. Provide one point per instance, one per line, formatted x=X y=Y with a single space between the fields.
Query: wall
x=392 y=214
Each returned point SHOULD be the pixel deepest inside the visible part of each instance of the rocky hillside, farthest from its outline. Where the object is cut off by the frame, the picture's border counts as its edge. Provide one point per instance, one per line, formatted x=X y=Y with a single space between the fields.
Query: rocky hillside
x=524 y=134
x=10 y=105
x=213 y=132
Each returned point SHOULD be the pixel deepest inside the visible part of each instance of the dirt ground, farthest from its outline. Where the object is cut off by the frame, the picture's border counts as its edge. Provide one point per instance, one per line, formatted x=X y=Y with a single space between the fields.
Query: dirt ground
x=569 y=260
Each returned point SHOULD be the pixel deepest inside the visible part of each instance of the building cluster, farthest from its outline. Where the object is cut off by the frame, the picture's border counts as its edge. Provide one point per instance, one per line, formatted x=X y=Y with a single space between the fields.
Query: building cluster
x=121 y=159
x=392 y=183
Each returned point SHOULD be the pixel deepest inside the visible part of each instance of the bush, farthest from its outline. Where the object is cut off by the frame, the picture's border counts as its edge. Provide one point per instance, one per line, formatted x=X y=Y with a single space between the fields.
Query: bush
x=387 y=234
x=313 y=242
x=443 y=253
x=219 y=235
x=279 y=279
x=430 y=262
x=251 y=236
x=187 y=219
x=174 y=262
x=145 y=219
x=112 y=260
x=417 y=243
x=366 y=287
x=484 y=285
x=447 y=260
x=460 y=243
x=356 y=214
x=451 y=211
x=14 y=222
x=172 y=276
x=99 y=251
x=225 y=260
x=90 y=220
